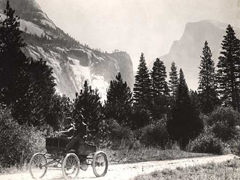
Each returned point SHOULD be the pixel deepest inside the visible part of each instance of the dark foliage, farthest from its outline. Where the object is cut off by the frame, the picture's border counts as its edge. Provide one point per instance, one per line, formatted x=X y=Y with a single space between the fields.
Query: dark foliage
x=160 y=91
x=184 y=123
x=159 y=75
x=160 y=106
x=223 y=121
x=13 y=62
x=155 y=134
x=206 y=142
x=119 y=101
x=60 y=112
x=207 y=88
x=173 y=80
x=115 y=135
x=228 y=69
x=88 y=109
x=18 y=143
x=195 y=98
x=34 y=105
x=140 y=117
x=142 y=87
x=27 y=86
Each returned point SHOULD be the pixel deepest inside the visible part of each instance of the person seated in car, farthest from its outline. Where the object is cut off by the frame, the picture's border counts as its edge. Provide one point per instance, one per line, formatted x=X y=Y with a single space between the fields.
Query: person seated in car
x=79 y=135
x=68 y=133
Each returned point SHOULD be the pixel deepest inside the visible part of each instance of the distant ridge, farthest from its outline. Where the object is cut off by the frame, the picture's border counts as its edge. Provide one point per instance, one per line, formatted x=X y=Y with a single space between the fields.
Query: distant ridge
x=186 y=52
x=72 y=62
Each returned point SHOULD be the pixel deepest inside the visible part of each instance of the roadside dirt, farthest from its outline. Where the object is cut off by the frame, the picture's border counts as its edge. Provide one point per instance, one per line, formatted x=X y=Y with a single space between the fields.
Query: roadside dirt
x=126 y=171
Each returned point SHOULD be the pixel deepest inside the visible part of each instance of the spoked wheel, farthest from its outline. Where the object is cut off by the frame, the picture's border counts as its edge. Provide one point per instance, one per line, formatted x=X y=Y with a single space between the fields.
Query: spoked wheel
x=70 y=166
x=38 y=166
x=100 y=164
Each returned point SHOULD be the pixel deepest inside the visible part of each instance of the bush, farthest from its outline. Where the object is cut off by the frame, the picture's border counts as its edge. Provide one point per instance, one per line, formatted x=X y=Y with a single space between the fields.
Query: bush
x=17 y=142
x=140 y=118
x=115 y=136
x=155 y=134
x=223 y=122
x=206 y=142
x=234 y=145
x=33 y=141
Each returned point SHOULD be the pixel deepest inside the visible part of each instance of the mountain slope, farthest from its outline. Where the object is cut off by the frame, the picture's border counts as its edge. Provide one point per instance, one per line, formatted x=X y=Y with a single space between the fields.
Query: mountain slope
x=72 y=62
x=186 y=52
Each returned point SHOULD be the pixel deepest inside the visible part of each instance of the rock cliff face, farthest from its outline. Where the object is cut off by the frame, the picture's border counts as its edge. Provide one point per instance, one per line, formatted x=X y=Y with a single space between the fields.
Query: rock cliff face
x=186 y=52
x=72 y=62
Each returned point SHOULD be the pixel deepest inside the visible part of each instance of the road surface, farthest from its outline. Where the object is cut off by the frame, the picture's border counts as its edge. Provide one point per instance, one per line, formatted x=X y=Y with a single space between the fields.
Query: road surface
x=126 y=171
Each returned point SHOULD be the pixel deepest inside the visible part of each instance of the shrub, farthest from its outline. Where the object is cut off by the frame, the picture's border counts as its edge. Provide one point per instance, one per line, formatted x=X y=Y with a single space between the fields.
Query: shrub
x=224 y=121
x=234 y=145
x=17 y=142
x=140 y=118
x=206 y=142
x=9 y=139
x=115 y=136
x=33 y=141
x=155 y=134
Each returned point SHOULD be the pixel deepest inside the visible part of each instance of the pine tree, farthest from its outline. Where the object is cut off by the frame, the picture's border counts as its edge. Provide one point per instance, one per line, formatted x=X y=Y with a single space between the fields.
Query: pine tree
x=88 y=109
x=13 y=62
x=228 y=69
x=159 y=75
x=142 y=96
x=27 y=86
x=207 y=88
x=184 y=123
x=160 y=91
x=142 y=86
x=173 y=80
x=60 y=112
x=34 y=102
x=195 y=98
x=119 y=101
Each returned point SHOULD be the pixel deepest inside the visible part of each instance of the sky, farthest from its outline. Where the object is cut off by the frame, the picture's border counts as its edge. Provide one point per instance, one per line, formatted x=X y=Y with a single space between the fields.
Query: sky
x=135 y=26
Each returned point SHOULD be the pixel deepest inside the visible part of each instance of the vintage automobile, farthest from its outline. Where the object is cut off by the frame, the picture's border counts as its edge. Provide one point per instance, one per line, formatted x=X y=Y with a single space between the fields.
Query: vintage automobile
x=71 y=161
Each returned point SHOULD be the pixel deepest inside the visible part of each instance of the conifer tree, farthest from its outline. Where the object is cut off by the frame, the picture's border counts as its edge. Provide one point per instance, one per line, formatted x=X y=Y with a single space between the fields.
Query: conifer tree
x=207 y=88
x=34 y=102
x=88 y=109
x=228 y=69
x=27 y=86
x=142 y=86
x=12 y=60
x=184 y=123
x=142 y=96
x=119 y=101
x=160 y=91
x=159 y=83
x=195 y=98
x=173 y=80
x=60 y=112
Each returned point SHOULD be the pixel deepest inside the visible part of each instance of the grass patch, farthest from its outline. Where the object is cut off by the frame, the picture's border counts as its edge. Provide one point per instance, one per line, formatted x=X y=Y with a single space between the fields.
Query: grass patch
x=148 y=154
x=229 y=170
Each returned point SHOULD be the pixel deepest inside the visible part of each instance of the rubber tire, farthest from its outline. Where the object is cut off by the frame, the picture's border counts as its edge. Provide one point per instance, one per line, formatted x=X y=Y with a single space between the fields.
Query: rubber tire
x=94 y=163
x=64 y=163
x=31 y=163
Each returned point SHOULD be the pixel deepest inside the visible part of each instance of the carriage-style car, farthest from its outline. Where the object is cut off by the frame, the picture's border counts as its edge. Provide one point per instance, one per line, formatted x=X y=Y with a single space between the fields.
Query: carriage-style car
x=71 y=161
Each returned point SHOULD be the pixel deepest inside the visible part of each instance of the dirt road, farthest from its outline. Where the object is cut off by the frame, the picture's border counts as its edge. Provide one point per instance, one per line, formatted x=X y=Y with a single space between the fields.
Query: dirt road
x=126 y=171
